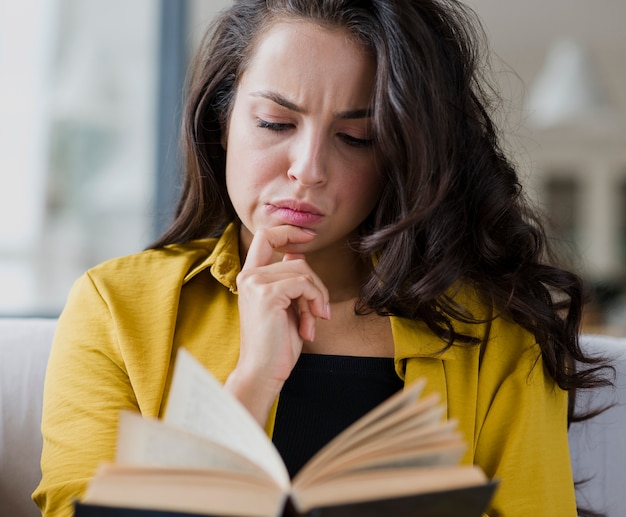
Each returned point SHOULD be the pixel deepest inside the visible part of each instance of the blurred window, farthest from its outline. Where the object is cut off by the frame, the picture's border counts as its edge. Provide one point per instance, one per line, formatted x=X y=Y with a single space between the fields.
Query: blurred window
x=79 y=87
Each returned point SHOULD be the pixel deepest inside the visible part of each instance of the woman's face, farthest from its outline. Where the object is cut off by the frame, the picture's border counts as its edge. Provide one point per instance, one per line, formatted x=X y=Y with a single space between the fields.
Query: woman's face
x=298 y=146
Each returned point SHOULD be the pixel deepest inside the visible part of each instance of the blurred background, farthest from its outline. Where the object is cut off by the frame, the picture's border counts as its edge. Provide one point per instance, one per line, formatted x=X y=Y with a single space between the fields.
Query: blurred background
x=90 y=99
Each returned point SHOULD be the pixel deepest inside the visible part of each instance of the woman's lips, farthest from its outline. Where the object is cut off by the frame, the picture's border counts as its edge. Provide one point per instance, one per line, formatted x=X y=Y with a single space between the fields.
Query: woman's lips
x=296 y=214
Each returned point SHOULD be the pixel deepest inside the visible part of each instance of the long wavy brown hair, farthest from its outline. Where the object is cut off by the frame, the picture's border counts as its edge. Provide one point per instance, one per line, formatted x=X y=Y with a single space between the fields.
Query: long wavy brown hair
x=452 y=211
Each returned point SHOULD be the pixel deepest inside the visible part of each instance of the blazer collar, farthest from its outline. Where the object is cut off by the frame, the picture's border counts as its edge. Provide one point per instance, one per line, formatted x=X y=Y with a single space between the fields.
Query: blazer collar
x=223 y=262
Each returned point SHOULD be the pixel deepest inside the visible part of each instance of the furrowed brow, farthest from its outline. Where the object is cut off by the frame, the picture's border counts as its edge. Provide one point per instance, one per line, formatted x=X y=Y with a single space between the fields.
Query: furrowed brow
x=278 y=99
x=354 y=114
x=281 y=100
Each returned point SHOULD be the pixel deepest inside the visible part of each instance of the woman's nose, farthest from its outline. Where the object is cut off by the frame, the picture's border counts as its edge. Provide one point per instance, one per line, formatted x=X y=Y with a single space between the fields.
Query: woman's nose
x=309 y=162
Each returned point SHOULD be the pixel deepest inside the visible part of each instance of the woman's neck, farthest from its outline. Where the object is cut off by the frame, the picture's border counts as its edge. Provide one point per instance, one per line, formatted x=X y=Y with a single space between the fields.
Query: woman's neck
x=342 y=271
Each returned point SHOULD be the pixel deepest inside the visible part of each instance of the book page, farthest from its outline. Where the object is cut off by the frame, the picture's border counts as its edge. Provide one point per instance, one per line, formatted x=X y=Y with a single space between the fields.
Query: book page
x=438 y=445
x=198 y=403
x=371 y=485
x=198 y=492
x=149 y=442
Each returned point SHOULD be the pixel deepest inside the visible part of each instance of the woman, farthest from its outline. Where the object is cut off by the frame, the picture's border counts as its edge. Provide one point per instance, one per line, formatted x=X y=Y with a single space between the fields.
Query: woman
x=348 y=223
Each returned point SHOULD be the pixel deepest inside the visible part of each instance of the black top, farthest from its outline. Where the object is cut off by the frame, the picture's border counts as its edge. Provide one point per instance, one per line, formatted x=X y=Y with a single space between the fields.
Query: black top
x=325 y=394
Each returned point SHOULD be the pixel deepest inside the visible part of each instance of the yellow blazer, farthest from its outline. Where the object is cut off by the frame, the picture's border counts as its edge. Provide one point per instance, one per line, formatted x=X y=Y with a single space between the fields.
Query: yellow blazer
x=125 y=319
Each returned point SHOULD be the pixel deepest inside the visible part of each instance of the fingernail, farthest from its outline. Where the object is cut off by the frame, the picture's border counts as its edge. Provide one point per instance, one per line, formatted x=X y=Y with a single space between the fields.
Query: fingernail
x=310 y=232
x=328 y=311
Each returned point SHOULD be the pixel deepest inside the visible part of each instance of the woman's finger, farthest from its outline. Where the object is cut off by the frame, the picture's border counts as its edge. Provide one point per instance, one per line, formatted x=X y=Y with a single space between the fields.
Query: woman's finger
x=266 y=241
x=306 y=325
x=282 y=290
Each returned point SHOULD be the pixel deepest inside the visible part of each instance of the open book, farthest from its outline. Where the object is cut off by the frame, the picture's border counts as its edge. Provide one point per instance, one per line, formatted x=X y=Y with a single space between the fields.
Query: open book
x=210 y=457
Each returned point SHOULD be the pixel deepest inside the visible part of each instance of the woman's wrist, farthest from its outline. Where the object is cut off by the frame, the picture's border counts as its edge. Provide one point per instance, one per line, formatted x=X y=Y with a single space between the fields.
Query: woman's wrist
x=256 y=393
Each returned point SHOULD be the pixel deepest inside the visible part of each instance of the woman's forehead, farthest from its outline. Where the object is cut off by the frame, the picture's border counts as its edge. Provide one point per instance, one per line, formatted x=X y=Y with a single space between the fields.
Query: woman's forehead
x=298 y=55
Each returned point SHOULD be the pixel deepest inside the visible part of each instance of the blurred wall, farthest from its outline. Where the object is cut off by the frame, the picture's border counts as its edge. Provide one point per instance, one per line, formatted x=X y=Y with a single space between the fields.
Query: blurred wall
x=574 y=165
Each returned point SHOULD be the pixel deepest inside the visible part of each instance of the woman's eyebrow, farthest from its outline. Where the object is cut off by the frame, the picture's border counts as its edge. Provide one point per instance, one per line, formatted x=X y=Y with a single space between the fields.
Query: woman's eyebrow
x=350 y=114
x=291 y=106
x=278 y=99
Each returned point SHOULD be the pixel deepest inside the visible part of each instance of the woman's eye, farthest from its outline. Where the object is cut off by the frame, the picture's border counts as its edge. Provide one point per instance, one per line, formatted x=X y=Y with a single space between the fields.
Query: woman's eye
x=356 y=142
x=273 y=126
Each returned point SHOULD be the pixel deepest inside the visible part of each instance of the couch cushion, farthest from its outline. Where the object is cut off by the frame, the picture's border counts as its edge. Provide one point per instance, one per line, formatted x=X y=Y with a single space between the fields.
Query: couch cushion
x=598 y=445
x=24 y=348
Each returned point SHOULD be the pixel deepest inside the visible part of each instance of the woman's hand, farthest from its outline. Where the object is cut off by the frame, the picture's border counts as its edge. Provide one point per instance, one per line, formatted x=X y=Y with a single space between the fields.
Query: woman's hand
x=279 y=303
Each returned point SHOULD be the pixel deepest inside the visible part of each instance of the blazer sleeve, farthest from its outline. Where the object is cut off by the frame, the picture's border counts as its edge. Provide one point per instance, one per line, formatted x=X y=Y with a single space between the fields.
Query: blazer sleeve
x=522 y=441
x=86 y=386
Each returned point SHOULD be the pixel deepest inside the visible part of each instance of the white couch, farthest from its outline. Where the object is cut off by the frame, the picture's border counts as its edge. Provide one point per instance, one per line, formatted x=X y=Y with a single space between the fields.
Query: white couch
x=24 y=347
x=598 y=446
